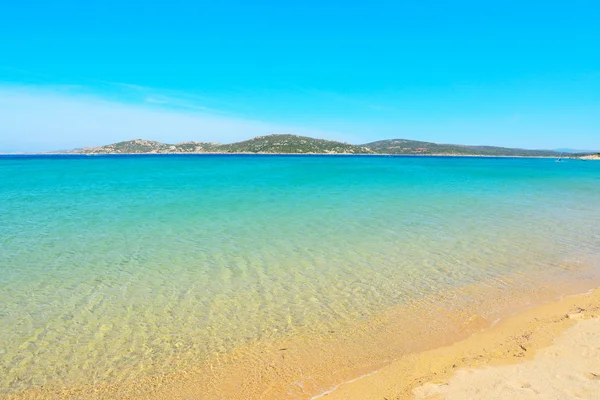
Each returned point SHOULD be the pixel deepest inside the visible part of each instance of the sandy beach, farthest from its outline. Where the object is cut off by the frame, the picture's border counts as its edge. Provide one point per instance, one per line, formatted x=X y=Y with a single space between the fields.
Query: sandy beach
x=548 y=352
x=568 y=369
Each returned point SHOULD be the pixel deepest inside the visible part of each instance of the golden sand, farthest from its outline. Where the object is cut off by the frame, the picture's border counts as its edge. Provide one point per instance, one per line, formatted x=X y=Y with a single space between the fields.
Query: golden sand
x=387 y=357
x=569 y=369
x=428 y=375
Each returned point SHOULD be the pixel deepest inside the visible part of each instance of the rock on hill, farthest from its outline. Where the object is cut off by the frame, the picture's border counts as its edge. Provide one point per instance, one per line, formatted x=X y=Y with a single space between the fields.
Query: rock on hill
x=403 y=146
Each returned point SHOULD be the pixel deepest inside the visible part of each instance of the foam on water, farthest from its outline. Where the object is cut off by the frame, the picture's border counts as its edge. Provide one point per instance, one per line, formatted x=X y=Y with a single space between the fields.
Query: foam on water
x=117 y=267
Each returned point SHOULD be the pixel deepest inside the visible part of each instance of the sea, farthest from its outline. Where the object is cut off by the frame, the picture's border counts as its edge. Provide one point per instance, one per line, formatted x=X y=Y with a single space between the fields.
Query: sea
x=119 y=268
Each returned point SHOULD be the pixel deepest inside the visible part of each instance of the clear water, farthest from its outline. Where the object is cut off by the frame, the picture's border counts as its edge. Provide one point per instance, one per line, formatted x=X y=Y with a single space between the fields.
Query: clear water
x=113 y=267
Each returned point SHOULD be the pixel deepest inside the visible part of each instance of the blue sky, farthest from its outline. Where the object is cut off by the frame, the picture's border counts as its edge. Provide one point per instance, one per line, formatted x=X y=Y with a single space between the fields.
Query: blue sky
x=522 y=74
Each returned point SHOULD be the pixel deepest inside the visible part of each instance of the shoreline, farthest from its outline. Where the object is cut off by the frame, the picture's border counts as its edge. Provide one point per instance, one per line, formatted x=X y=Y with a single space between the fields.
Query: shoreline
x=568 y=368
x=511 y=341
x=358 y=365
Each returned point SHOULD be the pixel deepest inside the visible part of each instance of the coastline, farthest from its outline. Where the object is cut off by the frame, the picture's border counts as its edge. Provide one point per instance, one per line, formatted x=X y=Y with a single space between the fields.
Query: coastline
x=567 y=369
x=383 y=357
x=591 y=158
x=514 y=340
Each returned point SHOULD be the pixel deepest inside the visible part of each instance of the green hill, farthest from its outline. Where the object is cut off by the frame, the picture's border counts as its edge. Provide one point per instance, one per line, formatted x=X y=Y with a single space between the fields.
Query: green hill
x=293 y=144
x=290 y=144
x=142 y=146
x=403 y=146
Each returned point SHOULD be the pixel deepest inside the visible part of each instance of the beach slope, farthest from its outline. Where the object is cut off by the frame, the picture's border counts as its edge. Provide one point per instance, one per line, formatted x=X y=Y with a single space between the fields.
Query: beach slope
x=548 y=352
x=569 y=369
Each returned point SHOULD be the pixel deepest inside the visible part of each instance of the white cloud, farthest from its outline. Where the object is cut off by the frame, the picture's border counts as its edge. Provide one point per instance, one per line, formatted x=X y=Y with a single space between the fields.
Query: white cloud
x=41 y=119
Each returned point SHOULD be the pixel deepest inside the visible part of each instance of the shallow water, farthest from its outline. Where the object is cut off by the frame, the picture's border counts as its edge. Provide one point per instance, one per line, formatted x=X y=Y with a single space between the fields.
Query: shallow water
x=114 y=267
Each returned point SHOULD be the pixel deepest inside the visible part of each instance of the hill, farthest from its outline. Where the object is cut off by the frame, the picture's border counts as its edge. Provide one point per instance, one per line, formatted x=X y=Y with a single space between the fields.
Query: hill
x=290 y=144
x=403 y=146
x=293 y=144
x=142 y=146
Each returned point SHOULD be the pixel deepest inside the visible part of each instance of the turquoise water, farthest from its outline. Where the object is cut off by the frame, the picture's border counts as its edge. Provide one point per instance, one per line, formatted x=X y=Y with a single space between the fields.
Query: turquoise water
x=113 y=267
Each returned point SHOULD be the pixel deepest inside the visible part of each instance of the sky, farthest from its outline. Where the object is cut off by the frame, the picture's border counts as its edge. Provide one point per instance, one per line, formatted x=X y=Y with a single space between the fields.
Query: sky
x=508 y=73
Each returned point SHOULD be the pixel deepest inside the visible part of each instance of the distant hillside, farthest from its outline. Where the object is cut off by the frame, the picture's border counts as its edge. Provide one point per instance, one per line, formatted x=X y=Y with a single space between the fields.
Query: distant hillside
x=292 y=144
x=403 y=146
x=262 y=144
x=141 y=146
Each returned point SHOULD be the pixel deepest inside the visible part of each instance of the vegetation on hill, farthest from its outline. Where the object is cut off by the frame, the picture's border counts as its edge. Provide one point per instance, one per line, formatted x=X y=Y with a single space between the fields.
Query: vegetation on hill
x=141 y=146
x=262 y=144
x=403 y=146
x=292 y=144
